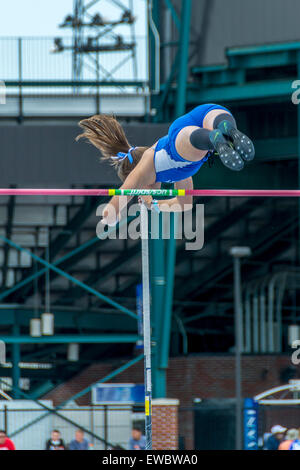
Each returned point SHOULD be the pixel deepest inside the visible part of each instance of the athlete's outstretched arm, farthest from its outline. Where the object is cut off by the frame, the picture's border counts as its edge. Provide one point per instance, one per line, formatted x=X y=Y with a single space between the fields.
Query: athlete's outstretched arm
x=142 y=176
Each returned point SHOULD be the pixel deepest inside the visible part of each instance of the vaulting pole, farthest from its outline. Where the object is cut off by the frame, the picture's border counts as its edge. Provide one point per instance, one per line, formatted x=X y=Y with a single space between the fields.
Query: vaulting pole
x=146 y=327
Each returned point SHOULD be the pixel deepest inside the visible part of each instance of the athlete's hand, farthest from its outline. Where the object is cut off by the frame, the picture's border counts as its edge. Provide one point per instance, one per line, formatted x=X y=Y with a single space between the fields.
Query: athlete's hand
x=147 y=200
x=109 y=215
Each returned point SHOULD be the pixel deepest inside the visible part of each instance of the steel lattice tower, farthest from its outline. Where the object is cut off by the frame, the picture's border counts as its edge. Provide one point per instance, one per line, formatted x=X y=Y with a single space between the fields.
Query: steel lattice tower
x=94 y=35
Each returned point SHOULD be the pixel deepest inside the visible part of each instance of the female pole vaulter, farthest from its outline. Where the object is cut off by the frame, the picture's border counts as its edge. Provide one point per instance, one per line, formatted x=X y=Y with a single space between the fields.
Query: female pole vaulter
x=192 y=139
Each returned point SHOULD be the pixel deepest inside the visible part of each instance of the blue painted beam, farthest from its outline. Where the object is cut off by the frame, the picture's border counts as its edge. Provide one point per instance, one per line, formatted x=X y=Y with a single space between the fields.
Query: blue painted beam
x=186 y=11
x=175 y=17
x=166 y=319
x=157 y=283
x=224 y=77
x=155 y=10
x=209 y=68
x=265 y=90
x=66 y=339
x=298 y=132
x=72 y=83
x=16 y=359
x=278 y=59
x=266 y=48
x=42 y=389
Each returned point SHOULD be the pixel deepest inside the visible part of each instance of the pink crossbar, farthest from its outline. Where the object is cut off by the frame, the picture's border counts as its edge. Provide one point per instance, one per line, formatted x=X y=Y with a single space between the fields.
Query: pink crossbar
x=52 y=192
x=194 y=192
x=245 y=192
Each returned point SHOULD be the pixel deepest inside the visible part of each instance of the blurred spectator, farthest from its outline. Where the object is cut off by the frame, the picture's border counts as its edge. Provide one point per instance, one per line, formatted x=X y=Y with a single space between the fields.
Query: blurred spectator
x=5 y=442
x=56 y=442
x=79 y=443
x=295 y=444
x=137 y=440
x=290 y=437
x=274 y=440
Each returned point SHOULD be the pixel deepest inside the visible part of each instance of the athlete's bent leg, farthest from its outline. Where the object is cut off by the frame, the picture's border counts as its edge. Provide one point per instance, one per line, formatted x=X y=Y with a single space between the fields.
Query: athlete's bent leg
x=200 y=139
x=204 y=139
x=225 y=122
x=242 y=144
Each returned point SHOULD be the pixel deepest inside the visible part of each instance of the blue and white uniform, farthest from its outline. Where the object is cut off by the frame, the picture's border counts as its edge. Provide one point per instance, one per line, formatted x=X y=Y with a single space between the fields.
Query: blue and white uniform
x=169 y=165
x=295 y=445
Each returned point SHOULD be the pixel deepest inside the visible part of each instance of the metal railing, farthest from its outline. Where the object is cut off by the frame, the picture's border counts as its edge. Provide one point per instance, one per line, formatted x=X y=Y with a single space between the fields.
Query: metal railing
x=40 y=83
x=104 y=425
x=33 y=59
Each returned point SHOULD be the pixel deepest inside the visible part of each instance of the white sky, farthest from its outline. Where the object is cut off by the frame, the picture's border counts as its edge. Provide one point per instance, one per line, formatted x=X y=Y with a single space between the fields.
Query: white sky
x=42 y=17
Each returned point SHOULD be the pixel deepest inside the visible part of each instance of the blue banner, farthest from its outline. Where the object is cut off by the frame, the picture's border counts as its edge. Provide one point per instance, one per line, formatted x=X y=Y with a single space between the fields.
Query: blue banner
x=114 y=394
x=250 y=424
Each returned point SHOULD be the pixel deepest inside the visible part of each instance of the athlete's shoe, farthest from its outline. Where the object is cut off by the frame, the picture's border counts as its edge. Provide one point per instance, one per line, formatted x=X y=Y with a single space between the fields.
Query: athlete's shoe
x=241 y=143
x=228 y=155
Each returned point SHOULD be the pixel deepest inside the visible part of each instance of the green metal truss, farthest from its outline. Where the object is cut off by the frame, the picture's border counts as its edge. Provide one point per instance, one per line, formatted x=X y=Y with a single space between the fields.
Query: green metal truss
x=264 y=73
x=162 y=273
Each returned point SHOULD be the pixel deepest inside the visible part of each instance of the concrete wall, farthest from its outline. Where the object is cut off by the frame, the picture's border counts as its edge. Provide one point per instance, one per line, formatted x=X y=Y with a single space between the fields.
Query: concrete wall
x=43 y=155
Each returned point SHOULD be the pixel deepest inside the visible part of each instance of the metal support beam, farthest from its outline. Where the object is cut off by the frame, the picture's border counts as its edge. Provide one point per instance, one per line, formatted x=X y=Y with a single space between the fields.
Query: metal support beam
x=238 y=352
x=30 y=278
x=71 y=278
x=166 y=319
x=158 y=282
x=72 y=255
x=56 y=245
x=146 y=326
x=298 y=135
x=265 y=90
x=87 y=320
x=10 y=215
x=154 y=52
x=238 y=253
x=186 y=11
x=75 y=83
x=175 y=17
x=162 y=261
x=66 y=339
x=42 y=389
x=16 y=358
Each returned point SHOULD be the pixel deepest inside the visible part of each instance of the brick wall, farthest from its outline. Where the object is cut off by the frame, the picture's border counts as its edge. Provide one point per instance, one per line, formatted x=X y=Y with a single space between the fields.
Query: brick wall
x=213 y=377
x=165 y=424
x=188 y=378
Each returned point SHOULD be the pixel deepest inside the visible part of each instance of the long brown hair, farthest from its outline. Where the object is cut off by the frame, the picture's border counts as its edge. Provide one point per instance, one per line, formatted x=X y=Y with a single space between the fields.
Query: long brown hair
x=108 y=136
